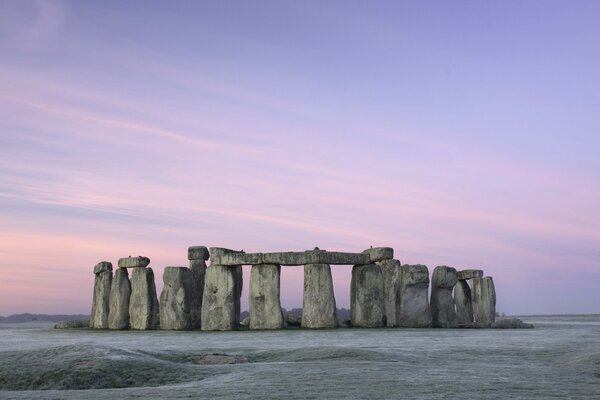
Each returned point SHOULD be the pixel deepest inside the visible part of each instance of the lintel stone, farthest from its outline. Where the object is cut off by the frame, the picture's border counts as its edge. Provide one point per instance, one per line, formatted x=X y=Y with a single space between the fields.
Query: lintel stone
x=134 y=262
x=380 y=253
x=316 y=256
x=469 y=274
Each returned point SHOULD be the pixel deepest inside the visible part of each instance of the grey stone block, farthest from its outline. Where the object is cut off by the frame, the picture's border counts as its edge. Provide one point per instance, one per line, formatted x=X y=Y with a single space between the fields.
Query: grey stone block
x=414 y=310
x=134 y=262
x=318 y=304
x=143 y=303
x=265 y=305
x=366 y=296
x=120 y=292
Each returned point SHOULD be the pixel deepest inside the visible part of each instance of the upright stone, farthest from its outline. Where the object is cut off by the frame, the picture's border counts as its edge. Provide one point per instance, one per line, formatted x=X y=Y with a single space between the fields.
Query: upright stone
x=197 y=256
x=176 y=299
x=484 y=302
x=143 y=303
x=392 y=275
x=221 y=298
x=265 y=305
x=120 y=291
x=101 y=298
x=366 y=296
x=443 y=312
x=414 y=310
x=318 y=303
x=464 y=307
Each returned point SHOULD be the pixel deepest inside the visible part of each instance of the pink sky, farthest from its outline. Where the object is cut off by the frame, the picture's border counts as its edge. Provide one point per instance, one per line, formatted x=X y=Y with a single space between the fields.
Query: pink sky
x=473 y=143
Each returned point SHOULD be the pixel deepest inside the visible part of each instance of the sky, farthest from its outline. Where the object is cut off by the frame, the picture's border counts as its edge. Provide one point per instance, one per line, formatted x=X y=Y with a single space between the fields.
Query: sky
x=459 y=133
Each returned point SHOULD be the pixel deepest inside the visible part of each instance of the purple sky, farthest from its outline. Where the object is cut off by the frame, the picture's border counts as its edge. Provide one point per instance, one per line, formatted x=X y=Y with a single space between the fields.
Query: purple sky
x=460 y=133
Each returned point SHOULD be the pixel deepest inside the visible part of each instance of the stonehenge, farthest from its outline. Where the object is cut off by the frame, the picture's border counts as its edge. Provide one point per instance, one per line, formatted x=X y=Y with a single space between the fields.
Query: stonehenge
x=383 y=292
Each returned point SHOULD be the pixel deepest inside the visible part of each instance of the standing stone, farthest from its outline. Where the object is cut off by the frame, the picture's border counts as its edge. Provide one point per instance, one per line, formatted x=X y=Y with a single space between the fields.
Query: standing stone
x=392 y=275
x=318 y=303
x=101 y=298
x=143 y=303
x=197 y=256
x=221 y=298
x=443 y=313
x=414 y=310
x=484 y=302
x=120 y=291
x=464 y=307
x=265 y=305
x=176 y=299
x=366 y=296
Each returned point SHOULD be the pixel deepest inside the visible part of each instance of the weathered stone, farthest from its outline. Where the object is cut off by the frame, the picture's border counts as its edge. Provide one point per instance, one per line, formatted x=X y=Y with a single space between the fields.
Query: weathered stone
x=198 y=268
x=176 y=299
x=217 y=359
x=120 y=292
x=102 y=266
x=100 y=300
x=318 y=304
x=198 y=253
x=221 y=297
x=511 y=323
x=443 y=312
x=414 y=310
x=380 y=253
x=72 y=324
x=230 y=257
x=143 y=303
x=484 y=302
x=464 y=306
x=392 y=276
x=134 y=262
x=265 y=305
x=469 y=274
x=366 y=296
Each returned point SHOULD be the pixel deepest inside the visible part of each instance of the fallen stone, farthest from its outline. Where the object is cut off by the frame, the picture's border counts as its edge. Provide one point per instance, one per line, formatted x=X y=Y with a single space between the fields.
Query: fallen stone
x=292 y=320
x=443 y=311
x=265 y=305
x=101 y=297
x=120 y=292
x=380 y=253
x=511 y=323
x=134 y=262
x=221 y=297
x=143 y=303
x=484 y=302
x=318 y=300
x=197 y=258
x=366 y=296
x=392 y=275
x=245 y=321
x=72 y=324
x=469 y=274
x=217 y=359
x=198 y=253
x=414 y=310
x=176 y=299
x=464 y=306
